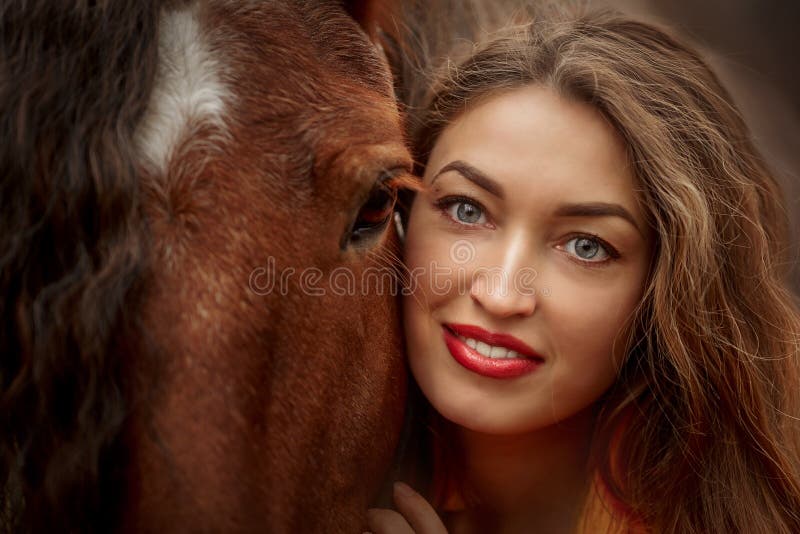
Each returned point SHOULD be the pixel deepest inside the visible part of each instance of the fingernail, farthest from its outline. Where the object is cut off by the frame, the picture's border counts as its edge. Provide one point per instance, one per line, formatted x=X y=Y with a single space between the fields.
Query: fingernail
x=403 y=490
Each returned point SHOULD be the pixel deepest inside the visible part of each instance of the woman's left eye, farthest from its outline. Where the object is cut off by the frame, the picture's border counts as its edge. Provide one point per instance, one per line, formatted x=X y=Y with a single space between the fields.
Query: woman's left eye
x=589 y=249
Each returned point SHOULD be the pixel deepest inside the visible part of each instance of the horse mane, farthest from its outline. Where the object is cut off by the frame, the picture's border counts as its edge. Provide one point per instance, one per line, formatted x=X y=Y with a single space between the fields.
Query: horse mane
x=75 y=78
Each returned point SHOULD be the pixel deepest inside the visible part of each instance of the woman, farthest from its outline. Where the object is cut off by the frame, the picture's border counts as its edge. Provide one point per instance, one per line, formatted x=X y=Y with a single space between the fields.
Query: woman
x=597 y=311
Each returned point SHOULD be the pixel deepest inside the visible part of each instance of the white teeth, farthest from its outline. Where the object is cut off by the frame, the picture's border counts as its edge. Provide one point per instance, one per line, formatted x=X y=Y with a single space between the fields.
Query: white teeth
x=498 y=352
x=490 y=351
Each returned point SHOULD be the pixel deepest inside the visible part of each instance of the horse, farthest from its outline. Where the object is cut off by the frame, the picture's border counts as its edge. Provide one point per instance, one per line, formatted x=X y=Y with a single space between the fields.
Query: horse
x=186 y=186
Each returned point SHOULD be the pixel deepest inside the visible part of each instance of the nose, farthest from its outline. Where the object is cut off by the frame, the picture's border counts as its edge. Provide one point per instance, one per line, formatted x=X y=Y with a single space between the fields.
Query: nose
x=506 y=290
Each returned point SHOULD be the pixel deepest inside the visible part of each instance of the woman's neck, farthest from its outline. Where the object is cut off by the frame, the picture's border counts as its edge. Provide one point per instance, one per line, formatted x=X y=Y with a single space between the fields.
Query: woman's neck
x=534 y=482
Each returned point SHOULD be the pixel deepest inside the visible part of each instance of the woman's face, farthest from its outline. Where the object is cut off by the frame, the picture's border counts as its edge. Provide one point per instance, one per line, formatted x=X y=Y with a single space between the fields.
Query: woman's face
x=528 y=255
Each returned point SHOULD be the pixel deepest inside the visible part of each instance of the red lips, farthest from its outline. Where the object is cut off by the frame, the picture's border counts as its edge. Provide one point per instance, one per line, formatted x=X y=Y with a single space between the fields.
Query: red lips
x=476 y=362
x=490 y=338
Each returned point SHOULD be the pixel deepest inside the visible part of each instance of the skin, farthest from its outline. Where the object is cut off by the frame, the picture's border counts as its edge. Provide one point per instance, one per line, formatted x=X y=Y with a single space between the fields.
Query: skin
x=549 y=160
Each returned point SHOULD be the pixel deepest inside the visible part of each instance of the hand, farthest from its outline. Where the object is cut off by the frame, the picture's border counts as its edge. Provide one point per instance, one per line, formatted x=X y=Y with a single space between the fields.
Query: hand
x=416 y=515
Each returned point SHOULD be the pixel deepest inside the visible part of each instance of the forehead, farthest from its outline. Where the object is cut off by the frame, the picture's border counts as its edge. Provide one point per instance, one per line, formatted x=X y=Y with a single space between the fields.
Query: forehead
x=313 y=87
x=536 y=141
x=300 y=44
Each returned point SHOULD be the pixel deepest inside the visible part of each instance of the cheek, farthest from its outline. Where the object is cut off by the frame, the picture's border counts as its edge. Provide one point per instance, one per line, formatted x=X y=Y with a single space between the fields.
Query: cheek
x=429 y=266
x=414 y=319
x=429 y=290
x=588 y=326
x=420 y=343
x=418 y=299
x=423 y=244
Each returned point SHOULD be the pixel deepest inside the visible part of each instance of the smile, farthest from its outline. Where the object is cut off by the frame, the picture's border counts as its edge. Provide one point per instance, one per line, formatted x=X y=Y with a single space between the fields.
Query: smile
x=488 y=354
x=489 y=351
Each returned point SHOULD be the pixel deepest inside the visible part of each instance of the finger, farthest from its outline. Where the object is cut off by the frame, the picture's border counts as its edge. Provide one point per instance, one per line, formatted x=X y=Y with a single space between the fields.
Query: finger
x=417 y=511
x=382 y=521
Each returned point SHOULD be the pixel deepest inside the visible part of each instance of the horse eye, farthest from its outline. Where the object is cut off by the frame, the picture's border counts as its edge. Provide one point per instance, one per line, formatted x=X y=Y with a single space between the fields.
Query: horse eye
x=373 y=215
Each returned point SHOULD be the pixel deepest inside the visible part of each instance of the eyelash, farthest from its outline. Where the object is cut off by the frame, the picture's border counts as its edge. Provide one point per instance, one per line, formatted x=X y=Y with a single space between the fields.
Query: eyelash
x=445 y=203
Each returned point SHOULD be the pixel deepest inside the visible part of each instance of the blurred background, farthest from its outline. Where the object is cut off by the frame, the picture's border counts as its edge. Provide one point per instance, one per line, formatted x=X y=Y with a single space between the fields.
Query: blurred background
x=753 y=46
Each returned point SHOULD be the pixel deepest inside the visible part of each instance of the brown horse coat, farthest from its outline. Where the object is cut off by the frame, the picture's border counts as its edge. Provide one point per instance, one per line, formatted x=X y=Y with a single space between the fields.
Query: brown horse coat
x=161 y=168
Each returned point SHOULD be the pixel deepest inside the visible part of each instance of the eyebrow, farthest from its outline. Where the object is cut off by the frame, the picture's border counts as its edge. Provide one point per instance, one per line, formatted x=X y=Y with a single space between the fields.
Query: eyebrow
x=597 y=209
x=583 y=209
x=473 y=175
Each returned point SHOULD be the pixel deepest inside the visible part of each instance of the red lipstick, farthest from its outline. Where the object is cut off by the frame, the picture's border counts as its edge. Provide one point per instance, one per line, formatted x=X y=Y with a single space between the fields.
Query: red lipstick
x=476 y=362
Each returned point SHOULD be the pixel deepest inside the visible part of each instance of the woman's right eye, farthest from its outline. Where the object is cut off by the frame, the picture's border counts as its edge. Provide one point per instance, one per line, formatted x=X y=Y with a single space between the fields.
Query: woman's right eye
x=462 y=210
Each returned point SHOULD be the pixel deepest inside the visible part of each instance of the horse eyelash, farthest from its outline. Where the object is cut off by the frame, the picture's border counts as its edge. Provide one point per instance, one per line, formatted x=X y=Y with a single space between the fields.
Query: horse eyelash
x=403 y=181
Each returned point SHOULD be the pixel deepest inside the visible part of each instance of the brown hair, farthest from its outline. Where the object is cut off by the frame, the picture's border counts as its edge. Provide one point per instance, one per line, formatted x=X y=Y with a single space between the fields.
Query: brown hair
x=705 y=411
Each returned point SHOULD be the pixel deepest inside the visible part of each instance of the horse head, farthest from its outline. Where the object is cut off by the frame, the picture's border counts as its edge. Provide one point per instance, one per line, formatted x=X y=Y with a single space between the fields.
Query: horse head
x=200 y=328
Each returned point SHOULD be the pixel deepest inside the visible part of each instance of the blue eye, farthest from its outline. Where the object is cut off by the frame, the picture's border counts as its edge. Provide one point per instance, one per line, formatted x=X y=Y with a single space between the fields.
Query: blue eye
x=587 y=248
x=466 y=212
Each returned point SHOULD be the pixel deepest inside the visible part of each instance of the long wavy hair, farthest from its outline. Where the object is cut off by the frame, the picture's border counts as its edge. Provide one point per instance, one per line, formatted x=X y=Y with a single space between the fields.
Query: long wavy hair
x=700 y=431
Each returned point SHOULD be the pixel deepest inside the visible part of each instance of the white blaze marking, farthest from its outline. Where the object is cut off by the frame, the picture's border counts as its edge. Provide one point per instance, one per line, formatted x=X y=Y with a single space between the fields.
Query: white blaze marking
x=187 y=91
